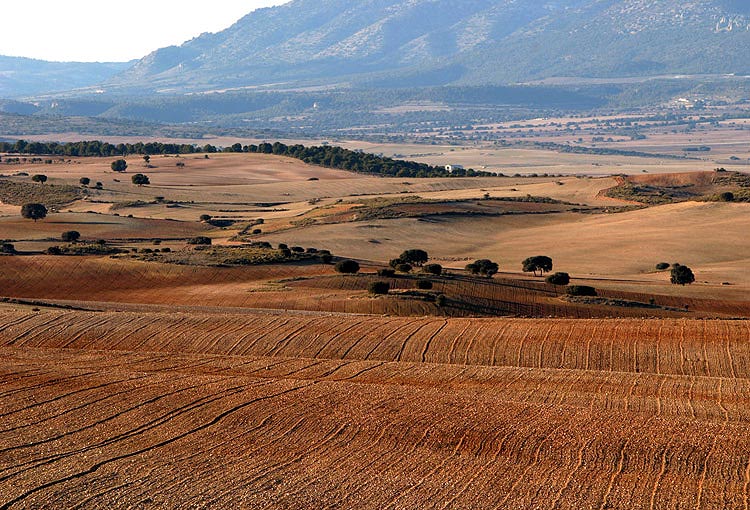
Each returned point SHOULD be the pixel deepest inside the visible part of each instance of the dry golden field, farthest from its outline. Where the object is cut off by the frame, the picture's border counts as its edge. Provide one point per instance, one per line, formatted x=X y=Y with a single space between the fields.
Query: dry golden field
x=176 y=380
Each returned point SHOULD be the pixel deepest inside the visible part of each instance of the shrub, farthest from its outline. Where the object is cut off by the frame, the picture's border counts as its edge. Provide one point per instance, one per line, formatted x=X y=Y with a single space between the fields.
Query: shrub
x=347 y=267
x=283 y=246
x=99 y=185
x=166 y=250
x=404 y=268
x=435 y=269
x=85 y=181
x=581 y=290
x=727 y=196
x=54 y=250
x=558 y=279
x=71 y=236
x=257 y=231
x=662 y=266
x=311 y=250
x=325 y=258
x=386 y=273
x=7 y=248
x=285 y=252
x=297 y=249
x=441 y=300
x=379 y=287
x=205 y=217
x=424 y=284
x=200 y=240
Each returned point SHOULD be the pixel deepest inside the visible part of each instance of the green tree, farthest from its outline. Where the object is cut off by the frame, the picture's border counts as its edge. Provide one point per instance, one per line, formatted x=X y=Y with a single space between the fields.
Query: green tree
x=539 y=263
x=71 y=236
x=347 y=267
x=34 y=211
x=682 y=275
x=39 y=178
x=379 y=287
x=85 y=181
x=414 y=257
x=140 y=179
x=119 y=165
x=484 y=267
x=558 y=279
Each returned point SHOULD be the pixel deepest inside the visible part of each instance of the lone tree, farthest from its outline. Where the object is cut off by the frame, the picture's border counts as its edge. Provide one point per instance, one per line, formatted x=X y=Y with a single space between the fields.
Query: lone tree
x=558 y=279
x=484 y=267
x=119 y=165
x=347 y=267
x=39 y=178
x=414 y=257
x=540 y=264
x=682 y=275
x=140 y=179
x=71 y=236
x=85 y=181
x=34 y=211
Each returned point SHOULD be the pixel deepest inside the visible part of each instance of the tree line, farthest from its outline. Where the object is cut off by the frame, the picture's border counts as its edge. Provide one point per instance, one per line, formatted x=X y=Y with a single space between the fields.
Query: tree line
x=326 y=156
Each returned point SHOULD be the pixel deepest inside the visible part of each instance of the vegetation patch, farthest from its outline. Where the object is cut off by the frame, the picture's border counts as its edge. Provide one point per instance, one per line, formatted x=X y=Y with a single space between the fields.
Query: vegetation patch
x=226 y=256
x=51 y=195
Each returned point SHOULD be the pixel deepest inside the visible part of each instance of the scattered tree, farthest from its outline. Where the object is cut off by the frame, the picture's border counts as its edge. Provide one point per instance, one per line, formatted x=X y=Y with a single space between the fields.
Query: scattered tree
x=435 y=269
x=39 y=178
x=682 y=275
x=581 y=290
x=119 y=165
x=662 y=266
x=34 y=211
x=414 y=257
x=558 y=279
x=147 y=159
x=424 y=284
x=71 y=236
x=205 y=217
x=387 y=273
x=347 y=267
x=85 y=181
x=200 y=240
x=379 y=287
x=539 y=263
x=99 y=185
x=140 y=179
x=484 y=267
x=404 y=268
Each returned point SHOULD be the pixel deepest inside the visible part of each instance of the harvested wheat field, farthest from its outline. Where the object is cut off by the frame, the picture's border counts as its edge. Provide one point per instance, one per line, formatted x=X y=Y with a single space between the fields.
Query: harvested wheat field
x=339 y=411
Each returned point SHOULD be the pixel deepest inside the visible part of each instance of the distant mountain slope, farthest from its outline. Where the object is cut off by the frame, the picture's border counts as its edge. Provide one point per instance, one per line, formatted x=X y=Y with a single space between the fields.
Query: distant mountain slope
x=25 y=76
x=433 y=42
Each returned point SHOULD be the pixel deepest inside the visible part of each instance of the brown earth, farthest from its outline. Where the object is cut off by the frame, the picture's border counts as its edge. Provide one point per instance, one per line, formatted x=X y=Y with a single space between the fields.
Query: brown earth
x=285 y=411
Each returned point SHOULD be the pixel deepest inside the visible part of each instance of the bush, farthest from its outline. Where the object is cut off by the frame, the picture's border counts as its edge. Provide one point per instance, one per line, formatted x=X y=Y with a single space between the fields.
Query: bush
x=441 y=300
x=727 y=196
x=200 y=240
x=404 y=268
x=558 y=279
x=285 y=252
x=205 y=217
x=379 y=287
x=283 y=246
x=8 y=248
x=71 y=236
x=325 y=258
x=99 y=185
x=347 y=267
x=424 y=284
x=386 y=273
x=297 y=249
x=166 y=250
x=257 y=231
x=435 y=269
x=85 y=181
x=54 y=250
x=581 y=290
x=662 y=266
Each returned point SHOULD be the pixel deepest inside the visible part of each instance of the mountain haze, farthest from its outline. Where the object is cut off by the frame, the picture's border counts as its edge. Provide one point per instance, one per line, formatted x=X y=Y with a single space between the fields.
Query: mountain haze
x=466 y=42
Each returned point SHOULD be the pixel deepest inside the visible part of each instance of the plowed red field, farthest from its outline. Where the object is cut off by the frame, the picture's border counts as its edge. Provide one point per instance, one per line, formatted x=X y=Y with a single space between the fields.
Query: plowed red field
x=126 y=410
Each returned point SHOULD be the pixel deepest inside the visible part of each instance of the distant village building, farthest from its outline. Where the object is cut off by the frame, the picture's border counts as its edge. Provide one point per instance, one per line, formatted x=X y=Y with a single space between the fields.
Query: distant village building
x=452 y=168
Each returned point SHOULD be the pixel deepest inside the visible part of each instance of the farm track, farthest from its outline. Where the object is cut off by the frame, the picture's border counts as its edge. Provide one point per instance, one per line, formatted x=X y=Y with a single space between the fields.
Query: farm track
x=103 y=410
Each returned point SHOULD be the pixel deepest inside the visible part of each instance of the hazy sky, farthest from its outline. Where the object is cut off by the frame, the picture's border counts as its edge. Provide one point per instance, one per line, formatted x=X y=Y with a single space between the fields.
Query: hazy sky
x=111 y=30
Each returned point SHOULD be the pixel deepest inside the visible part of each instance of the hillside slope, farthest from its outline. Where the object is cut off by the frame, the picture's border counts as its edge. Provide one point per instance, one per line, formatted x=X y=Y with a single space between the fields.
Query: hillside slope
x=428 y=42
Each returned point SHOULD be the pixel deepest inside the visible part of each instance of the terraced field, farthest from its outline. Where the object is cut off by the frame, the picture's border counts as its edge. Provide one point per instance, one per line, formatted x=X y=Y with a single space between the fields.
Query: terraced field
x=290 y=410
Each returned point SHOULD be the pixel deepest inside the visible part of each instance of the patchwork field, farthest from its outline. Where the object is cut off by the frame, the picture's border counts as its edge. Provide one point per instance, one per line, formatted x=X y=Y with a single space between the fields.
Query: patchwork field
x=141 y=370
